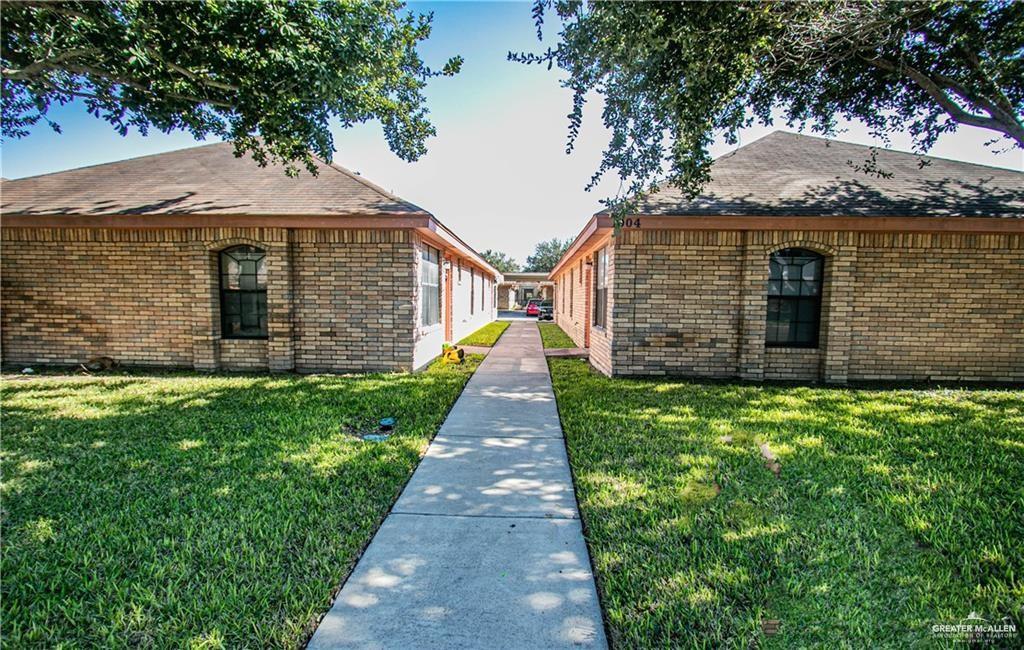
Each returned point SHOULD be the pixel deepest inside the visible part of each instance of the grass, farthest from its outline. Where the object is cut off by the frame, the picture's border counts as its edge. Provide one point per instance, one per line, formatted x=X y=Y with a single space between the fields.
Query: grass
x=553 y=336
x=894 y=510
x=487 y=335
x=179 y=510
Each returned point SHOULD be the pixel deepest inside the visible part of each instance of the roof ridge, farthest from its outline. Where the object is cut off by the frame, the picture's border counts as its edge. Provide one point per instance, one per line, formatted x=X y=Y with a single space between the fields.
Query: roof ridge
x=858 y=145
x=369 y=184
x=123 y=160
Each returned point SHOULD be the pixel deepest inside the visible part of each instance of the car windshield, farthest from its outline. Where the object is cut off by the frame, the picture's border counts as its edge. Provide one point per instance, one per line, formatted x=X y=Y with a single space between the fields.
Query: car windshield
x=545 y=304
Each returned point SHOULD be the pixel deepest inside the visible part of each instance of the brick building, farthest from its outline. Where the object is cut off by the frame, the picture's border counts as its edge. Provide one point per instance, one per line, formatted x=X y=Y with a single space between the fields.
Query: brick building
x=519 y=288
x=196 y=258
x=793 y=265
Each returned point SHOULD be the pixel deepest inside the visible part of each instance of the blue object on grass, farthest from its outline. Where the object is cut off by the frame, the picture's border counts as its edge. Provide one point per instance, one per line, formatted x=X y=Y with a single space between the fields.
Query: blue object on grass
x=375 y=437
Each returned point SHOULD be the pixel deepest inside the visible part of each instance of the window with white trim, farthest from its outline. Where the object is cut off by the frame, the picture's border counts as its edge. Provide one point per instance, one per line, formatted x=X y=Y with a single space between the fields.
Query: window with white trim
x=430 y=286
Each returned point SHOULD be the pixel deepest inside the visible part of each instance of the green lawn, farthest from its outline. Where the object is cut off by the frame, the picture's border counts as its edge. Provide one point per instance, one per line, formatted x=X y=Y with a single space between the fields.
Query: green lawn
x=180 y=510
x=893 y=510
x=553 y=336
x=487 y=335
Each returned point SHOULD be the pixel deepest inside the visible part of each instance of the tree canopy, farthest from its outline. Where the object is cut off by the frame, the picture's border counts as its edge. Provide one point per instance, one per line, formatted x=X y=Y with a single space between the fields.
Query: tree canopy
x=675 y=75
x=504 y=263
x=546 y=255
x=269 y=75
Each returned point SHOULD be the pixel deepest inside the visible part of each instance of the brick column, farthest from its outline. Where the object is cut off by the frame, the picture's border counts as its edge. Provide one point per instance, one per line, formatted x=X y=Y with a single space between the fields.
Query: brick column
x=206 y=295
x=753 y=310
x=837 y=311
x=280 y=305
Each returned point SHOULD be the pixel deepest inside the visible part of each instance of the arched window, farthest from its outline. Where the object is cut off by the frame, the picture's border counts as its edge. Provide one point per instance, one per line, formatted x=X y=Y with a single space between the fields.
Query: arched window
x=243 y=293
x=794 y=298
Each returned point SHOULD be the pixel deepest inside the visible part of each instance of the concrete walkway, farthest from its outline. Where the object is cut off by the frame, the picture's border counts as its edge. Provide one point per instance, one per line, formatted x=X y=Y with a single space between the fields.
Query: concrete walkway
x=484 y=548
x=515 y=315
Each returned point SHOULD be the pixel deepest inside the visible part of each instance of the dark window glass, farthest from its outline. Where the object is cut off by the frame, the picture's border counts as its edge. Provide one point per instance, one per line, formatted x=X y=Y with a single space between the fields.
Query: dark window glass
x=243 y=293
x=601 y=288
x=794 y=298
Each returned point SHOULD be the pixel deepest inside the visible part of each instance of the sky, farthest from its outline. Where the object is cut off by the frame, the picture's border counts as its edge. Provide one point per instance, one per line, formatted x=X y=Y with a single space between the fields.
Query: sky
x=497 y=172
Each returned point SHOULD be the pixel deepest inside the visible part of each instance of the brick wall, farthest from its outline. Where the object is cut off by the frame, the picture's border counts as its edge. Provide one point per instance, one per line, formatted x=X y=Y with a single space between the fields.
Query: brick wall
x=68 y=295
x=242 y=354
x=678 y=303
x=575 y=285
x=792 y=364
x=601 y=338
x=354 y=299
x=571 y=303
x=943 y=307
x=894 y=306
x=338 y=300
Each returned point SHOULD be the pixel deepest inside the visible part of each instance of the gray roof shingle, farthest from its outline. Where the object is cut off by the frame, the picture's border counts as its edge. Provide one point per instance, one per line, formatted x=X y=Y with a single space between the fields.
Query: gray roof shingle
x=786 y=174
x=207 y=179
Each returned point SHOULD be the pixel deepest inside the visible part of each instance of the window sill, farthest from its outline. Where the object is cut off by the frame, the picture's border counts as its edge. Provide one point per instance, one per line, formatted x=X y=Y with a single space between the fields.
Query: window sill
x=244 y=338
x=792 y=347
x=430 y=329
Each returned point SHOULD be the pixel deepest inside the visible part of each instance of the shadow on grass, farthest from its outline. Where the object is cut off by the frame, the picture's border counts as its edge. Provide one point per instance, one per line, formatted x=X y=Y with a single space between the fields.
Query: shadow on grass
x=198 y=510
x=893 y=509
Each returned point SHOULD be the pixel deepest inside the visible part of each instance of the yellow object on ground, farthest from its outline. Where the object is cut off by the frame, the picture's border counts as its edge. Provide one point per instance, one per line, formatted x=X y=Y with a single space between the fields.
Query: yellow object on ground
x=454 y=355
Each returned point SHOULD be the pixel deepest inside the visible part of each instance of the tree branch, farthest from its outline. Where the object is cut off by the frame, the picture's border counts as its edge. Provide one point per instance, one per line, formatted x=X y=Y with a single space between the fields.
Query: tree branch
x=1012 y=129
x=198 y=79
x=991 y=106
x=1000 y=99
x=58 y=8
x=86 y=70
x=34 y=69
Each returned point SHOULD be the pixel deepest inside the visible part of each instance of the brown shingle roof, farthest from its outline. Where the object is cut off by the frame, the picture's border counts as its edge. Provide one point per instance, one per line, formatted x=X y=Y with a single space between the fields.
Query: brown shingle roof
x=200 y=180
x=785 y=174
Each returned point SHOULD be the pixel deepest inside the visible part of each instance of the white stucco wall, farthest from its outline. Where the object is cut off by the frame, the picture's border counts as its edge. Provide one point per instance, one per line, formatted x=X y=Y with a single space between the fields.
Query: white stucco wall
x=464 y=320
x=428 y=337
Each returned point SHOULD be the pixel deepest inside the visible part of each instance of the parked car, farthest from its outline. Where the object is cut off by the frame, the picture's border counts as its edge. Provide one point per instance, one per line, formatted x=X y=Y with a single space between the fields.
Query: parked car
x=533 y=308
x=547 y=311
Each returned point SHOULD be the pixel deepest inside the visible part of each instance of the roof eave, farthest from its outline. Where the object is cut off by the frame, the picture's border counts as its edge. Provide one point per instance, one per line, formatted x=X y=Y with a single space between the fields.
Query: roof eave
x=380 y=220
x=601 y=225
x=439 y=232
x=596 y=229
x=879 y=223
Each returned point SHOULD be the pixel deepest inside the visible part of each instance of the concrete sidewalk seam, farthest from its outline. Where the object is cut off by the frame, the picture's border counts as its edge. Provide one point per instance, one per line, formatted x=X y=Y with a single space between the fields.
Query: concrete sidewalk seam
x=445 y=514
